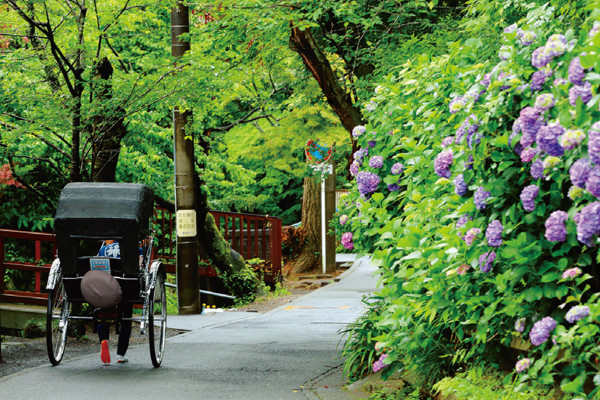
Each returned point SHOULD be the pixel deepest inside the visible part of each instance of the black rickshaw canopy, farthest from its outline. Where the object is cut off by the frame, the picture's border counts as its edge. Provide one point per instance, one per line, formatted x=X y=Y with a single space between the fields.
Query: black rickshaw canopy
x=102 y=210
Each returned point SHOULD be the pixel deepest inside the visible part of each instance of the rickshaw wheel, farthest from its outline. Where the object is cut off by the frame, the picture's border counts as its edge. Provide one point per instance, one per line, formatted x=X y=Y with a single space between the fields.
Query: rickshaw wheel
x=57 y=322
x=157 y=315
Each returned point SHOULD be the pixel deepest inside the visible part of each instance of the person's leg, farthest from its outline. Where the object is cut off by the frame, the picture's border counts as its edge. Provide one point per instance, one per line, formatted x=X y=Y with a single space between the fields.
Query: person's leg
x=103 y=333
x=125 y=331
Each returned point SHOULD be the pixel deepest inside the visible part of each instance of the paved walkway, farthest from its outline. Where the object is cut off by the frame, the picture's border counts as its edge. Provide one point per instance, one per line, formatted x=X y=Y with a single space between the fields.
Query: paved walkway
x=289 y=353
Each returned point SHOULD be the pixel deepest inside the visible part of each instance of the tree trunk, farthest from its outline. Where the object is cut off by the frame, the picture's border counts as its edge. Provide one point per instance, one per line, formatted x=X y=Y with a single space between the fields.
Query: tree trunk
x=310 y=255
x=109 y=128
x=303 y=43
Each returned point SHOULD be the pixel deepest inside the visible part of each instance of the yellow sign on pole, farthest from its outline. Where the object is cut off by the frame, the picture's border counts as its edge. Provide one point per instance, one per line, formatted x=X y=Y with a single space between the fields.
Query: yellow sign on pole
x=186 y=223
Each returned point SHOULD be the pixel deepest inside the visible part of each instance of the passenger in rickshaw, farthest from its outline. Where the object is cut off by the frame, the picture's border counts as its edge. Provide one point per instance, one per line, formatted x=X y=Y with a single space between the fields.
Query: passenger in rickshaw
x=111 y=248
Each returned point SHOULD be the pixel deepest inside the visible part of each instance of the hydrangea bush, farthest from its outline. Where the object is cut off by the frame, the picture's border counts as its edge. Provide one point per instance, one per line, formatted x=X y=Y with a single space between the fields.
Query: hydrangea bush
x=479 y=199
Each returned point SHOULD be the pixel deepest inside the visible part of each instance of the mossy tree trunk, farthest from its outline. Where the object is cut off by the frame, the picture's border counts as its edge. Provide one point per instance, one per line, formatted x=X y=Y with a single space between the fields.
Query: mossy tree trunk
x=310 y=255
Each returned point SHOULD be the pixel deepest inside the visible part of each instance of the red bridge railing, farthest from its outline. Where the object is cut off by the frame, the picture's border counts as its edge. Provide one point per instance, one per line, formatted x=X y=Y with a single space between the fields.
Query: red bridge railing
x=253 y=236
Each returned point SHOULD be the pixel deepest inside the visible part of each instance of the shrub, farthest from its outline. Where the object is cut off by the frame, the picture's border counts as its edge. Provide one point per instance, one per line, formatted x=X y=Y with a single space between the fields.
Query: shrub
x=495 y=206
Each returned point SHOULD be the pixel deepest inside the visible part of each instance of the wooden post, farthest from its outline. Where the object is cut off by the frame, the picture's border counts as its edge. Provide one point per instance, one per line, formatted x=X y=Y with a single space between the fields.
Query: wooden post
x=188 y=295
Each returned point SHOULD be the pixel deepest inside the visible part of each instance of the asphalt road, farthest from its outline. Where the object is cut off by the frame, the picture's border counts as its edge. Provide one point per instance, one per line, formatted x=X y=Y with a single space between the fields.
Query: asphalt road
x=282 y=354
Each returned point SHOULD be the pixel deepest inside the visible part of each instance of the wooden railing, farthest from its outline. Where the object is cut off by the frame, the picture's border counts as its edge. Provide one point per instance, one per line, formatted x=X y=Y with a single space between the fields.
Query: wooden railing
x=38 y=295
x=253 y=236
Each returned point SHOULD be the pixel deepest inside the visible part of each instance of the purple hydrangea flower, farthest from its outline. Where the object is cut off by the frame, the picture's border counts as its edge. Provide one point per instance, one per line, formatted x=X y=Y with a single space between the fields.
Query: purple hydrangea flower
x=376 y=162
x=571 y=273
x=522 y=365
x=526 y=38
x=529 y=153
x=442 y=164
x=343 y=219
x=393 y=187
x=580 y=91
x=556 y=45
x=471 y=234
x=594 y=143
x=555 y=226
x=358 y=131
x=544 y=102
x=463 y=220
x=493 y=234
x=592 y=183
x=460 y=132
x=457 y=104
x=470 y=161
x=347 y=240
x=540 y=57
x=460 y=187
x=588 y=223
x=354 y=168
x=537 y=169
x=487 y=79
x=360 y=154
x=531 y=121
x=520 y=325
x=576 y=72
x=541 y=330
x=480 y=197
x=371 y=106
x=486 y=260
x=571 y=139
x=367 y=182
x=371 y=143
x=447 y=141
x=511 y=28
x=397 y=169
x=379 y=364
x=539 y=78
x=528 y=197
x=547 y=139
x=560 y=82
x=576 y=313
x=595 y=29
x=579 y=172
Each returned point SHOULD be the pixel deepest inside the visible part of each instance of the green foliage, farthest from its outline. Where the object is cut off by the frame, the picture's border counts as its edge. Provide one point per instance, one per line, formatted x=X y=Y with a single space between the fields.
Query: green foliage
x=438 y=310
x=34 y=328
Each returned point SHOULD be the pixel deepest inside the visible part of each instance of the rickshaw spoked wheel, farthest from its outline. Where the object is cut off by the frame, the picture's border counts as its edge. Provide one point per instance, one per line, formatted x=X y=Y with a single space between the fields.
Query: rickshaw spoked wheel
x=157 y=320
x=57 y=322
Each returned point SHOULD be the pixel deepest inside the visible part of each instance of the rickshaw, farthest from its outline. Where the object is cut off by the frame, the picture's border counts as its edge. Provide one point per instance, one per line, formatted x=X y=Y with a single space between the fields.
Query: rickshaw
x=88 y=214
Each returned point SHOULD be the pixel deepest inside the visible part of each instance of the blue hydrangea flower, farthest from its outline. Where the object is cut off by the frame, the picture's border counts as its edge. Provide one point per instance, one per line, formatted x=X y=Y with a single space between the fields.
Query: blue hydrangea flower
x=544 y=102
x=531 y=121
x=594 y=143
x=547 y=139
x=540 y=57
x=528 y=196
x=367 y=182
x=371 y=143
x=537 y=169
x=480 y=197
x=371 y=106
x=592 y=183
x=486 y=260
x=526 y=38
x=529 y=154
x=580 y=171
x=576 y=72
x=580 y=91
x=460 y=187
x=576 y=313
x=470 y=162
x=360 y=154
x=376 y=162
x=555 y=226
x=393 y=187
x=358 y=131
x=442 y=164
x=463 y=220
x=541 y=330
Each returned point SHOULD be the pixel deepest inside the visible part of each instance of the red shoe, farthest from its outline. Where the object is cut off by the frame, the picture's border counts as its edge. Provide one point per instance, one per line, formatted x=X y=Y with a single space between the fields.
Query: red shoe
x=104 y=354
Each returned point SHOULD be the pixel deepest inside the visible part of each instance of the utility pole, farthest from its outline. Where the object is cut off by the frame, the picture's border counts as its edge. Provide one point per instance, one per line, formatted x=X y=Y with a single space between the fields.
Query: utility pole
x=188 y=295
